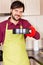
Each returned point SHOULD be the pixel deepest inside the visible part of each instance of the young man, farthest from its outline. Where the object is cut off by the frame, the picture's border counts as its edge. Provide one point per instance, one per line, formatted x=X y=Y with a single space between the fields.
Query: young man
x=14 y=51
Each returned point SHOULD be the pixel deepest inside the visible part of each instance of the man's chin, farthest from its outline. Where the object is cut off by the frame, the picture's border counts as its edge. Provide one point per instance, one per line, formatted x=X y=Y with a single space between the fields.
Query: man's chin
x=15 y=19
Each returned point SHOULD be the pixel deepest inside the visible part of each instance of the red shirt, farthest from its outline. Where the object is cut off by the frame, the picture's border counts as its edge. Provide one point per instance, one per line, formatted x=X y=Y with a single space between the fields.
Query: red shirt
x=24 y=23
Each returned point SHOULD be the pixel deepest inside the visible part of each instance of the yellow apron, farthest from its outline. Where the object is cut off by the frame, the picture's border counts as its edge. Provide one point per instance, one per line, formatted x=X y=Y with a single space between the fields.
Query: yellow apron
x=14 y=51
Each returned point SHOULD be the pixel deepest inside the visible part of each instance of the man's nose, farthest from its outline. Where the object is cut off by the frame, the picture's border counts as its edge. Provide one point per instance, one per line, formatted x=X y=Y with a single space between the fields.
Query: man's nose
x=18 y=13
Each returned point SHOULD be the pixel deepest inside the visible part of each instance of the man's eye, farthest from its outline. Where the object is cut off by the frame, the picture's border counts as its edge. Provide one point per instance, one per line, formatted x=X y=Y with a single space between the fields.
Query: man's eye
x=21 y=11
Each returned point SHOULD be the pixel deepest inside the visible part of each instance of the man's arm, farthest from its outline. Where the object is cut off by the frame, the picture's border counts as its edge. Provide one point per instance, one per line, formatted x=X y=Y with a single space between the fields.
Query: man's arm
x=35 y=34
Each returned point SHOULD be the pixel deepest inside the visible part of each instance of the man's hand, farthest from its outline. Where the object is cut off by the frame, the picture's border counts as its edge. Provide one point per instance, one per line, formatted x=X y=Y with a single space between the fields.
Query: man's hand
x=32 y=32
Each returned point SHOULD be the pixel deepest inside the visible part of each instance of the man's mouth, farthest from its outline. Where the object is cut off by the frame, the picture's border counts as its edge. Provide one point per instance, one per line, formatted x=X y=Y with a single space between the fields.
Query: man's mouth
x=17 y=15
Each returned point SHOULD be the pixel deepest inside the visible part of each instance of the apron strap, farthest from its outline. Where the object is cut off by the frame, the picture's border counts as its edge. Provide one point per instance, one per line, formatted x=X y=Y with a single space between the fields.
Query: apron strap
x=6 y=26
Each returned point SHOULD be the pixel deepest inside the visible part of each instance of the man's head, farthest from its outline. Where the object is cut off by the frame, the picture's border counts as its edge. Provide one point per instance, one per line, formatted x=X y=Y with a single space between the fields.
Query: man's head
x=17 y=8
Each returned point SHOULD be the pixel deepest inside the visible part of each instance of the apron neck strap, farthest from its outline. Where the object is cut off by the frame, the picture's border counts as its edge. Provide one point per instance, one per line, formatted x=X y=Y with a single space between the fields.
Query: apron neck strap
x=6 y=26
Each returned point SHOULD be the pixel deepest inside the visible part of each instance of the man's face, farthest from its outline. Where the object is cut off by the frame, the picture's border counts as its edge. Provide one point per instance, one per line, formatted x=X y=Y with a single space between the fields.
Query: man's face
x=16 y=13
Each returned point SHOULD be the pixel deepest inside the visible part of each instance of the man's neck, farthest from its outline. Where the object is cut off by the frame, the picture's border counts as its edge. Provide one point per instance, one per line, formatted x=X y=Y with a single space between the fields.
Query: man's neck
x=13 y=21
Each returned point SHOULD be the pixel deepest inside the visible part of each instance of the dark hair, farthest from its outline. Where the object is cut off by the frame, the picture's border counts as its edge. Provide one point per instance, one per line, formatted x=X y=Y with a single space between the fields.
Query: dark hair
x=17 y=4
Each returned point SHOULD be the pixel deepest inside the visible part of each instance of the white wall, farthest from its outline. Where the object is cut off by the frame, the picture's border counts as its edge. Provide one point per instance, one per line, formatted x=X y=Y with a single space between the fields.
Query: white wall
x=5 y=6
x=32 y=7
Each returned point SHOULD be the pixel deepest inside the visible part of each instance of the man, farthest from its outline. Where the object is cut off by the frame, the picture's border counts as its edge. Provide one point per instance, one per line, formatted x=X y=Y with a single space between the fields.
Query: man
x=14 y=51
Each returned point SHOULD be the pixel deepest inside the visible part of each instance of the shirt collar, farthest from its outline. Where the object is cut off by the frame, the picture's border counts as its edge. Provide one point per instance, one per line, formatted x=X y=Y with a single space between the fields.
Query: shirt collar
x=10 y=23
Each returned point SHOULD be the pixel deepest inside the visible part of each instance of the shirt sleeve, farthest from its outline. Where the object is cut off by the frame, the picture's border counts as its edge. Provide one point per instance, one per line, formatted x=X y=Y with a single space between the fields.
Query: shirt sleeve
x=37 y=35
